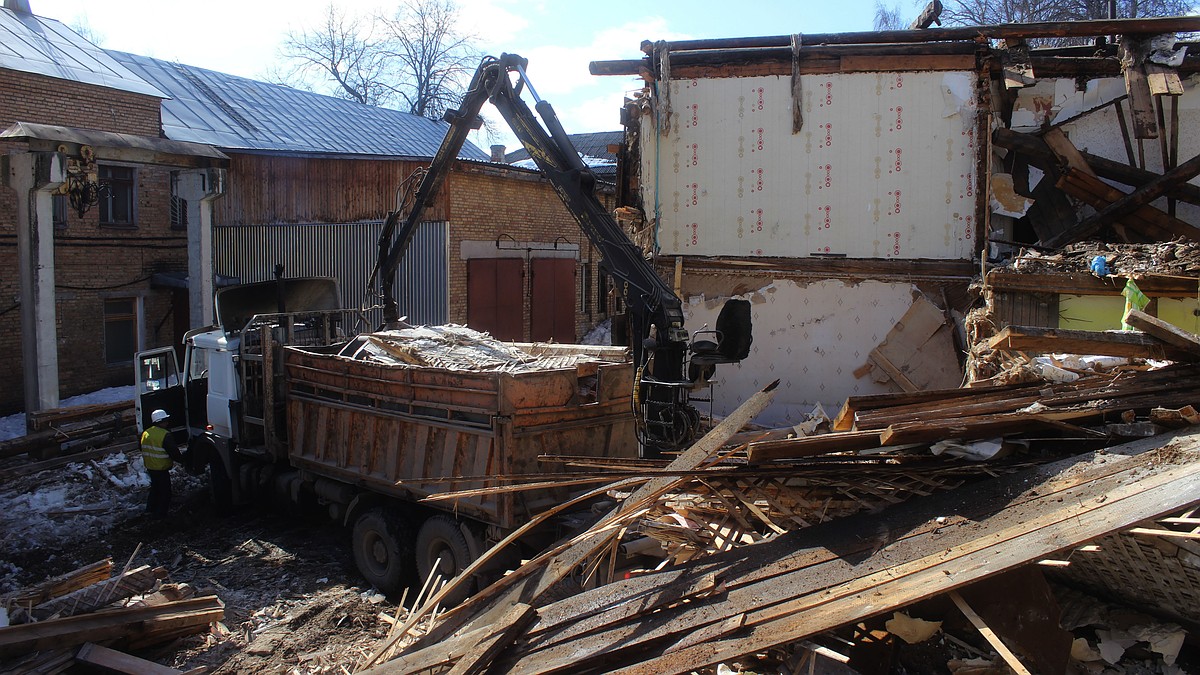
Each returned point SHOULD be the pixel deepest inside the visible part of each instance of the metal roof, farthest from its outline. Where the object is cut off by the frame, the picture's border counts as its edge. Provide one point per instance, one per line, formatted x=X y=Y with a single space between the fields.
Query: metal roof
x=237 y=113
x=34 y=44
x=593 y=146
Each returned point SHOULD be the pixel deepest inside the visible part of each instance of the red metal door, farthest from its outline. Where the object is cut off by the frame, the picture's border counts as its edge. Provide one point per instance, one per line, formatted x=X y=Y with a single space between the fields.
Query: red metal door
x=552 y=306
x=495 y=297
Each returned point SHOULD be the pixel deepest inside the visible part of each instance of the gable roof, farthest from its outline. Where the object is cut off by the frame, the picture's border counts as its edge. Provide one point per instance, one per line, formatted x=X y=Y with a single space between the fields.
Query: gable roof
x=34 y=44
x=237 y=113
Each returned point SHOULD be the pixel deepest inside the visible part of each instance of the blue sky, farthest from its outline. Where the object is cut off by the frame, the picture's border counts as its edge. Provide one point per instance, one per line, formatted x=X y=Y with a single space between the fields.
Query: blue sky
x=559 y=37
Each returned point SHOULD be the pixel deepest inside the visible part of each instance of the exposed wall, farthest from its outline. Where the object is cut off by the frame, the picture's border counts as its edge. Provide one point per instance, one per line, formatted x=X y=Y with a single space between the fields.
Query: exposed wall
x=884 y=167
x=809 y=335
x=92 y=263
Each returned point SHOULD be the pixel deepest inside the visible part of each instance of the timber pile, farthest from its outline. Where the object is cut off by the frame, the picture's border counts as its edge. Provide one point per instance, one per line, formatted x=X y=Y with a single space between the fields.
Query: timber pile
x=72 y=430
x=770 y=544
x=92 y=616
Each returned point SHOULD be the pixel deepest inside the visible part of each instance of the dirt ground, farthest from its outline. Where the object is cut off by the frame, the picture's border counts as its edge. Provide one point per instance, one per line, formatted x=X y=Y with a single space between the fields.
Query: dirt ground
x=294 y=602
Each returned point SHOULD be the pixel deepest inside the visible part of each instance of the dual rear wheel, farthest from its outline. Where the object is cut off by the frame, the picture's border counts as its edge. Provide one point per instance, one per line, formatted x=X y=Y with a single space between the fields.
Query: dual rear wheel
x=388 y=554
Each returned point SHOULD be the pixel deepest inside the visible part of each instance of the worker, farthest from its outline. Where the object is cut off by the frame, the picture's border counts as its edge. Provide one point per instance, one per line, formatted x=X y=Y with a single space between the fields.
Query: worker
x=159 y=453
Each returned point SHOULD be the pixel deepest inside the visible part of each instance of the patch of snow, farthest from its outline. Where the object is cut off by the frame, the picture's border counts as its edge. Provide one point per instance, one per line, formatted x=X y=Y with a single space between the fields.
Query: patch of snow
x=600 y=335
x=14 y=425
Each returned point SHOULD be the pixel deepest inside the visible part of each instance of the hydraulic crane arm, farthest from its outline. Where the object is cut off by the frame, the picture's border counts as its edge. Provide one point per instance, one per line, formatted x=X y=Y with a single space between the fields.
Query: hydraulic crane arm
x=655 y=312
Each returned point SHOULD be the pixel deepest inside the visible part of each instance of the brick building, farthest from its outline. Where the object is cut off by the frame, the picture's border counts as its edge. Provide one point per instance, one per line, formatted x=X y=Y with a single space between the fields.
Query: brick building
x=86 y=218
x=313 y=173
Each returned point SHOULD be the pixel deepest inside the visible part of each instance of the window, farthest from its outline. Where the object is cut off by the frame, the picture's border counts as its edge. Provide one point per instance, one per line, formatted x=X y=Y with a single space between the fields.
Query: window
x=120 y=330
x=116 y=195
x=179 y=216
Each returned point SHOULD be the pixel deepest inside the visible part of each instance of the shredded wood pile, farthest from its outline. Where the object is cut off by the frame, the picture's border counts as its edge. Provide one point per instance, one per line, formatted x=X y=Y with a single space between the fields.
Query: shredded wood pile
x=89 y=615
x=453 y=347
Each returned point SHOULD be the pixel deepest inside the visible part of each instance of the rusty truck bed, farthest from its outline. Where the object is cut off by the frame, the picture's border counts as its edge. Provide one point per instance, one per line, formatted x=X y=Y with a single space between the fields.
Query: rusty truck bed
x=385 y=427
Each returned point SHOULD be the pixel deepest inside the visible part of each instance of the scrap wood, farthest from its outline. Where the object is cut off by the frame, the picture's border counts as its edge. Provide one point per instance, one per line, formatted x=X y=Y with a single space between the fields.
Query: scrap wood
x=1146 y=219
x=44 y=419
x=845 y=418
x=106 y=592
x=115 y=661
x=989 y=635
x=808 y=446
x=1157 y=328
x=61 y=584
x=813 y=580
x=1131 y=344
x=193 y=615
x=530 y=583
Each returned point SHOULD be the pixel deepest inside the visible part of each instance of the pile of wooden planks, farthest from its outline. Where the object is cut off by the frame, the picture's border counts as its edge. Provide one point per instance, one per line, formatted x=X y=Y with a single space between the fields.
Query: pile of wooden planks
x=76 y=430
x=86 y=615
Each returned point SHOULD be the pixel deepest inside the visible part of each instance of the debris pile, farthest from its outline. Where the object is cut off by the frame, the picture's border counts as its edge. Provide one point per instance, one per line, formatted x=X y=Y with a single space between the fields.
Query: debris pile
x=91 y=615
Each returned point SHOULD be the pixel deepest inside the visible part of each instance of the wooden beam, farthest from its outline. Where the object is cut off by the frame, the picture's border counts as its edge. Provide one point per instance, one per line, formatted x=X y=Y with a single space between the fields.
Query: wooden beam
x=111 y=660
x=1146 y=218
x=989 y=635
x=1153 y=285
x=1130 y=202
x=810 y=446
x=1155 y=327
x=1038 y=340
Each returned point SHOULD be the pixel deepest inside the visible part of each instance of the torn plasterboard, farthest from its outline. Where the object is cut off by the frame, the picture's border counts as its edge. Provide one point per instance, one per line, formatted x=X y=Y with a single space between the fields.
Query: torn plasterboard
x=918 y=354
x=1004 y=198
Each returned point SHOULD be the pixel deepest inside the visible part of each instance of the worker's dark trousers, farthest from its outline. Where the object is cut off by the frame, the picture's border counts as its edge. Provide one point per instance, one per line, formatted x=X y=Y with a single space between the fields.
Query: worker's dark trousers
x=160 y=492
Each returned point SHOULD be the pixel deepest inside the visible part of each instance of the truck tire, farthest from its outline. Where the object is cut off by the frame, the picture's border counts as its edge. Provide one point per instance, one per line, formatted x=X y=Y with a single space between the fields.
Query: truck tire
x=441 y=544
x=383 y=550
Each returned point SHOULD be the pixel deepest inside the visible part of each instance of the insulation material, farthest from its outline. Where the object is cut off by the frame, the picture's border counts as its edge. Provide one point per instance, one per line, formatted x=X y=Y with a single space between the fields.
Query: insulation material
x=811 y=337
x=883 y=168
x=1099 y=132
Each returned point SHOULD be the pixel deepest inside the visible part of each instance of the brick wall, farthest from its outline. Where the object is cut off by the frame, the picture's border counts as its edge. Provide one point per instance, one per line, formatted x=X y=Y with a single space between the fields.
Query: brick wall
x=92 y=263
x=488 y=202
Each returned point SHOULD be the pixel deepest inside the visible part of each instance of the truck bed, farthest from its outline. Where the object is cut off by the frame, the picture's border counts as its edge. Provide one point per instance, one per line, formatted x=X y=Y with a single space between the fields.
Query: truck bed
x=388 y=426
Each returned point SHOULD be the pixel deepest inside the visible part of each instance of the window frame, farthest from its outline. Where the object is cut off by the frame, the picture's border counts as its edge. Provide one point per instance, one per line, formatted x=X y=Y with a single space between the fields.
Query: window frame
x=137 y=316
x=105 y=207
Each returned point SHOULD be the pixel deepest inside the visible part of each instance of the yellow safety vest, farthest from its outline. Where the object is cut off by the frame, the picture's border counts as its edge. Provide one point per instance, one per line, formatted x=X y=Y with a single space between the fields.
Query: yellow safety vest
x=153 y=453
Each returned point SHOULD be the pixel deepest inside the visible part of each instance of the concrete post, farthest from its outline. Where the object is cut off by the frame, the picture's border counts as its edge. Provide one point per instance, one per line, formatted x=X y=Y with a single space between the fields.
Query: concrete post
x=34 y=175
x=200 y=187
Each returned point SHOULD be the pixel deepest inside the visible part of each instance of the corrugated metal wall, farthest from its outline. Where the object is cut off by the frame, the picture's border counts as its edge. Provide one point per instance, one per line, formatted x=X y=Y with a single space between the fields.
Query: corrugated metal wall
x=345 y=251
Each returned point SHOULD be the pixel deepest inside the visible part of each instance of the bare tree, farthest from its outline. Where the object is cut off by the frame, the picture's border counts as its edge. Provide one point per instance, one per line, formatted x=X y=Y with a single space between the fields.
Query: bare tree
x=433 y=59
x=888 y=18
x=416 y=59
x=991 y=12
x=343 y=51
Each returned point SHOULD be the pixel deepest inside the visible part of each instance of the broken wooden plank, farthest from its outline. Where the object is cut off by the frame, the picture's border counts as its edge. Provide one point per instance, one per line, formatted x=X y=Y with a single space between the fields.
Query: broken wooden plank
x=854 y=404
x=1130 y=202
x=1037 y=340
x=917 y=352
x=809 y=446
x=115 y=661
x=989 y=635
x=479 y=657
x=1132 y=52
x=786 y=598
x=91 y=598
x=194 y=614
x=61 y=584
x=1147 y=219
x=1153 y=285
x=1156 y=327
x=41 y=420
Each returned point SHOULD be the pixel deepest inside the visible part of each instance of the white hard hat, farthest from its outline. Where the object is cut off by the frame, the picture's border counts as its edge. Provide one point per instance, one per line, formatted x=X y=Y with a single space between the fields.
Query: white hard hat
x=158 y=416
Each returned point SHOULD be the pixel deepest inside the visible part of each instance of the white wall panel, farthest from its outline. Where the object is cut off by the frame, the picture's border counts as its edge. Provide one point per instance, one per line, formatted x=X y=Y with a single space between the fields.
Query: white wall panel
x=811 y=337
x=883 y=168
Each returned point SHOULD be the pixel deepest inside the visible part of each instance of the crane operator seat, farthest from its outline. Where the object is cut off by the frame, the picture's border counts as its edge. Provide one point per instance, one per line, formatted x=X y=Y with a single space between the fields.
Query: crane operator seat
x=729 y=343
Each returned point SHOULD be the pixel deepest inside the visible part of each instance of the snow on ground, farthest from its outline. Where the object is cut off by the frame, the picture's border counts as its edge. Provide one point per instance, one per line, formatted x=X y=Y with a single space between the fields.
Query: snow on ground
x=600 y=335
x=14 y=425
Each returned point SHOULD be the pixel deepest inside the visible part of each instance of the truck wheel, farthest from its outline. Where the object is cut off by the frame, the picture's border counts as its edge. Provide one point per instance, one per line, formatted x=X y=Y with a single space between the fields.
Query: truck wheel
x=442 y=546
x=383 y=550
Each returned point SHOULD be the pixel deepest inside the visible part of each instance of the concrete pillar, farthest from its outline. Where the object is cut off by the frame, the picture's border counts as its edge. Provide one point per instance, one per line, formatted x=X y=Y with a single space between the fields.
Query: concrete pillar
x=34 y=175
x=200 y=187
